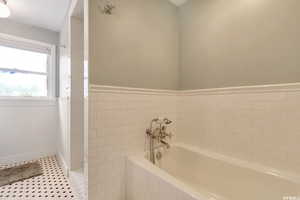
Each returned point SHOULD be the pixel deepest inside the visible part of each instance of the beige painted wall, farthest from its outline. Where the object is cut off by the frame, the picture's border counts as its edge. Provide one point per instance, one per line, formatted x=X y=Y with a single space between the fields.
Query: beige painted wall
x=236 y=43
x=137 y=46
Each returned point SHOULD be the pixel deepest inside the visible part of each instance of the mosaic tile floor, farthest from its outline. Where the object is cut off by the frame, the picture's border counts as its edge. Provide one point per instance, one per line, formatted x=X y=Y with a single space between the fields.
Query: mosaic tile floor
x=52 y=185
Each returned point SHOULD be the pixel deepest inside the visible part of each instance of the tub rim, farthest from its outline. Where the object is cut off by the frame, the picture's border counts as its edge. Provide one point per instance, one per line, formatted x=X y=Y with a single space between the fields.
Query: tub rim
x=260 y=168
x=141 y=161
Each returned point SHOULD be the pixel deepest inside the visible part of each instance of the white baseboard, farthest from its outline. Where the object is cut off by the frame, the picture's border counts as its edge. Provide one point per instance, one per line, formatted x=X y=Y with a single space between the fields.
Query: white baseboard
x=63 y=164
x=25 y=157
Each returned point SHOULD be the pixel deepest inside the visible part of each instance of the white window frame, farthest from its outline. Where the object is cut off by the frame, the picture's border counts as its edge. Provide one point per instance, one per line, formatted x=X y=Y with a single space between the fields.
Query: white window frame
x=22 y=43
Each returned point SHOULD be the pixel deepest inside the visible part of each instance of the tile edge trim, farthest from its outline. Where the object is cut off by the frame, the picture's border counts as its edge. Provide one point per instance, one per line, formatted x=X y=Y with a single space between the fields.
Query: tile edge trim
x=272 y=88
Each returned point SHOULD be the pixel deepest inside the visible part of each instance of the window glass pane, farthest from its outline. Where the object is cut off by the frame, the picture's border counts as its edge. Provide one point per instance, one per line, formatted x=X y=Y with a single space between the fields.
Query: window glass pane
x=12 y=58
x=20 y=84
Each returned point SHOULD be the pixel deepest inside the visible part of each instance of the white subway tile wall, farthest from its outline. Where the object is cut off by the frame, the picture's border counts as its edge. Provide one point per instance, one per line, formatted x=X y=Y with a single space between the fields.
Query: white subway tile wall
x=260 y=127
x=118 y=121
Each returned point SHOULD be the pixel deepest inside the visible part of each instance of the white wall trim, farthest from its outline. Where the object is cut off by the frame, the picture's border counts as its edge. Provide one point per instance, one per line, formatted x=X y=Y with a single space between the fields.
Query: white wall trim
x=63 y=164
x=129 y=90
x=272 y=88
x=25 y=157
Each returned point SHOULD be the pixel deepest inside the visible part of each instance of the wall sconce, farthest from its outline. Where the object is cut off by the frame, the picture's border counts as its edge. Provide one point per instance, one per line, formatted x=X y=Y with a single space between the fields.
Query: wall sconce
x=107 y=6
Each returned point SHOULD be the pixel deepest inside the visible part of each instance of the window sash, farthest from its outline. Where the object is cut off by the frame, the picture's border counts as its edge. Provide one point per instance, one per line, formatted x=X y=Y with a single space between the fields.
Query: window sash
x=24 y=44
x=46 y=93
x=23 y=71
x=34 y=73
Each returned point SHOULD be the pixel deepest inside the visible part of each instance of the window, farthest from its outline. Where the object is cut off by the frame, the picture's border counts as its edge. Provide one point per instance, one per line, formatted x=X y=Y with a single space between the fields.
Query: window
x=26 y=69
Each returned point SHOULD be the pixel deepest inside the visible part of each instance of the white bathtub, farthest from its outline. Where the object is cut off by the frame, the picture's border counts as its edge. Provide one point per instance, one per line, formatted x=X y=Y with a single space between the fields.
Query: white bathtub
x=187 y=173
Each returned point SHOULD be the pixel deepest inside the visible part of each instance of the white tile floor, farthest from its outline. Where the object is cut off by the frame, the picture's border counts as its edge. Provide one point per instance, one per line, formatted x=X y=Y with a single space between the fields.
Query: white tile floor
x=52 y=185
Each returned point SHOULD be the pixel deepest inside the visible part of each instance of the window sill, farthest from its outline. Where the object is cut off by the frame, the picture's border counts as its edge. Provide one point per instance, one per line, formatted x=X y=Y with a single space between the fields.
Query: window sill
x=28 y=101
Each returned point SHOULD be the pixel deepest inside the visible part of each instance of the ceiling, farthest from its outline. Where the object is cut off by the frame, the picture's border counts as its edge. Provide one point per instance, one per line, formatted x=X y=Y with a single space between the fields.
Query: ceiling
x=47 y=14
x=178 y=2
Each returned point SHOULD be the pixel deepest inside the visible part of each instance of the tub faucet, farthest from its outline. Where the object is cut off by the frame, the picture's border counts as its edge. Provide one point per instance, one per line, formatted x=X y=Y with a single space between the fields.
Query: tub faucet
x=157 y=135
x=165 y=143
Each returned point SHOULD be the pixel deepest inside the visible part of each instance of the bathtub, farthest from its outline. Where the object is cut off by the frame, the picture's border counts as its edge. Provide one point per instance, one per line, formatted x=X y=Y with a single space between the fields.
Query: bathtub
x=188 y=173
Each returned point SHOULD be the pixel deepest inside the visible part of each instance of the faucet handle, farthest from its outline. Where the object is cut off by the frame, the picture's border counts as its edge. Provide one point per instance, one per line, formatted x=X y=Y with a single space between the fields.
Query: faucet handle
x=148 y=131
x=165 y=143
x=167 y=121
x=170 y=135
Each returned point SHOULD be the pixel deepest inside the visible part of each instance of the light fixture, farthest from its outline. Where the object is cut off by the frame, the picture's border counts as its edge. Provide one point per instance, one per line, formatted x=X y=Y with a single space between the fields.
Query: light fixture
x=4 y=9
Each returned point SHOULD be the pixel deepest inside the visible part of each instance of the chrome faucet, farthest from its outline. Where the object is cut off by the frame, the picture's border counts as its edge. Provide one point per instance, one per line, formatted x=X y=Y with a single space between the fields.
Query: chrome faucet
x=157 y=135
